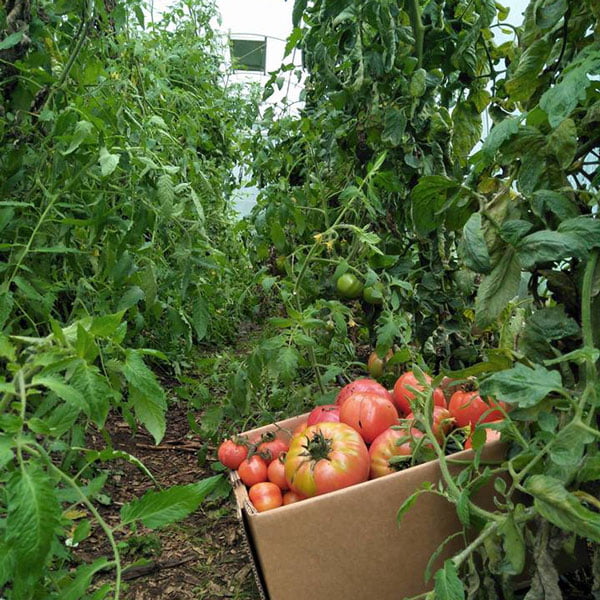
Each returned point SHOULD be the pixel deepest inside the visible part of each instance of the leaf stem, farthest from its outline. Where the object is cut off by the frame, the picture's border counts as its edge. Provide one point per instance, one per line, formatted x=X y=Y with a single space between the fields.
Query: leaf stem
x=414 y=13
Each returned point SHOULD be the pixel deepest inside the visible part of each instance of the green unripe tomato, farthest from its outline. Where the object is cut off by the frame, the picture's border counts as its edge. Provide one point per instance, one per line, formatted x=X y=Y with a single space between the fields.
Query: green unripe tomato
x=349 y=286
x=373 y=294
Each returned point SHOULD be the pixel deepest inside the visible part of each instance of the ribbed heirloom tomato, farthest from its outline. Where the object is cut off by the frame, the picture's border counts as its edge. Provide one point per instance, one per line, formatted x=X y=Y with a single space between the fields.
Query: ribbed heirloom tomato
x=324 y=413
x=326 y=457
x=369 y=414
x=403 y=396
x=391 y=442
x=362 y=385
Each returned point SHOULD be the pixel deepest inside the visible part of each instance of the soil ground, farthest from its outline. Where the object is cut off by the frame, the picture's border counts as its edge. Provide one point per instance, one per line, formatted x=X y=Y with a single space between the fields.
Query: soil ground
x=202 y=557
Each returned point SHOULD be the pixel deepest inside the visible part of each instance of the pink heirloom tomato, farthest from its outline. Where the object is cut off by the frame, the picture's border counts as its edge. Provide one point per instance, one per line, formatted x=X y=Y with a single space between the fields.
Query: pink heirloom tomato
x=324 y=413
x=392 y=442
x=368 y=413
x=362 y=385
x=326 y=457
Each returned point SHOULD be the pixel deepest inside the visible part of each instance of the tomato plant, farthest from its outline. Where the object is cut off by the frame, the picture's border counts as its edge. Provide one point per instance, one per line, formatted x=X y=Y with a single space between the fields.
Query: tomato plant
x=326 y=457
x=490 y=435
x=368 y=413
x=265 y=496
x=397 y=441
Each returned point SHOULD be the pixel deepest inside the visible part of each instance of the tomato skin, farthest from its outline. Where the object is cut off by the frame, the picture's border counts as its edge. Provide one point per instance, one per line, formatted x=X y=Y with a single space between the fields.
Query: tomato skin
x=386 y=445
x=491 y=435
x=265 y=496
x=323 y=414
x=468 y=408
x=270 y=449
x=369 y=414
x=253 y=470
x=441 y=423
x=362 y=385
x=326 y=457
x=276 y=473
x=376 y=364
x=349 y=286
x=299 y=428
x=403 y=396
x=291 y=497
x=231 y=454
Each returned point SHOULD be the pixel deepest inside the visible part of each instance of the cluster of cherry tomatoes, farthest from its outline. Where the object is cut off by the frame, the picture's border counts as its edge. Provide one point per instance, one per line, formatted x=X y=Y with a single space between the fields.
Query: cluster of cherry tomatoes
x=366 y=434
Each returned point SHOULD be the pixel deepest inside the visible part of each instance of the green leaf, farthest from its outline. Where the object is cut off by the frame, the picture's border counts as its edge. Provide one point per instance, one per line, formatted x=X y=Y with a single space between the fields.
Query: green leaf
x=12 y=40
x=6 y=453
x=428 y=197
x=544 y=201
x=7 y=350
x=585 y=227
x=562 y=142
x=83 y=130
x=524 y=81
x=32 y=514
x=474 y=249
x=79 y=585
x=521 y=385
x=278 y=236
x=513 y=230
x=448 y=586
x=200 y=317
x=562 y=508
x=394 y=125
x=513 y=542
x=298 y=11
x=462 y=508
x=568 y=447
x=467 y=129
x=145 y=394
x=287 y=363
x=6 y=304
x=108 y=162
x=497 y=289
x=64 y=391
x=108 y=454
x=94 y=387
x=156 y=509
x=547 y=246
x=106 y=325
x=132 y=296
x=498 y=135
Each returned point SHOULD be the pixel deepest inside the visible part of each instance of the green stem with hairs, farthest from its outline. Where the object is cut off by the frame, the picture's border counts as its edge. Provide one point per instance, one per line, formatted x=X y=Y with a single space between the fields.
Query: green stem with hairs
x=414 y=13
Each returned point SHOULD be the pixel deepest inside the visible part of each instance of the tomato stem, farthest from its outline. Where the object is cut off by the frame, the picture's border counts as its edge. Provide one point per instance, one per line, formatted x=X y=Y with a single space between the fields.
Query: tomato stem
x=318 y=446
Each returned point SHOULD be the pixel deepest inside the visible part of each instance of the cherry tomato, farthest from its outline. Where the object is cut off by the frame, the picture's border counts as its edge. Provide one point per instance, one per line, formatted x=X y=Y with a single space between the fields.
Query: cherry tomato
x=271 y=447
x=468 y=408
x=291 y=497
x=369 y=414
x=265 y=496
x=362 y=385
x=326 y=457
x=404 y=396
x=441 y=423
x=324 y=413
x=253 y=470
x=231 y=454
x=276 y=473
x=391 y=442
x=491 y=435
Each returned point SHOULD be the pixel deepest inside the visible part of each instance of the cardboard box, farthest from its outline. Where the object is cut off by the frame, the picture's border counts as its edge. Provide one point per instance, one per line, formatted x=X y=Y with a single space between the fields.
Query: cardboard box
x=347 y=545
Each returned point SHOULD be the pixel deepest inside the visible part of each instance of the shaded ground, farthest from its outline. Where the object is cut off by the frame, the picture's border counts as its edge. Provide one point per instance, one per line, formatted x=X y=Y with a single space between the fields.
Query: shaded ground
x=202 y=557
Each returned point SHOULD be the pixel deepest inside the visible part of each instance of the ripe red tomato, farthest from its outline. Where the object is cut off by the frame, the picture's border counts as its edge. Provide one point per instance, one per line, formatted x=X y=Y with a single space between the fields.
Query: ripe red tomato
x=403 y=396
x=276 y=473
x=323 y=414
x=271 y=447
x=441 y=423
x=290 y=497
x=253 y=470
x=491 y=435
x=326 y=457
x=369 y=414
x=265 y=496
x=362 y=385
x=391 y=442
x=231 y=454
x=468 y=408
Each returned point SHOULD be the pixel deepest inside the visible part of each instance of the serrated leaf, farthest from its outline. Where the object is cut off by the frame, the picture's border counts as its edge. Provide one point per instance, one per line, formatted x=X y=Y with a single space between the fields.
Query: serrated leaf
x=394 y=125
x=12 y=40
x=428 y=197
x=6 y=304
x=106 y=325
x=523 y=82
x=498 y=135
x=94 y=387
x=462 y=508
x=32 y=514
x=562 y=508
x=498 y=288
x=298 y=11
x=145 y=394
x=287 y=363
x=6 y=453
x=467 y=128
x=474 y=249
x=200 y=317
x=66 y=392
x=562 y=142
x=448 y=586
x=108 y=162
x=586 y=228
x=522 y=386
x=76 y=589
x=513 y=543
x=157 y=509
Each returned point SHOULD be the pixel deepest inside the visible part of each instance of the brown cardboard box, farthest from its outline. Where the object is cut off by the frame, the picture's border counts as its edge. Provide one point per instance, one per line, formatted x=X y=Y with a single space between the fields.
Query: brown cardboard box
x=347 y=545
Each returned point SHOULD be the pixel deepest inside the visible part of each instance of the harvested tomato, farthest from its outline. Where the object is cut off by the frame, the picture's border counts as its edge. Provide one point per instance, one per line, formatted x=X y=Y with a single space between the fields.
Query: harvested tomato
x=253 y=470
x=491 y=435
x=403 y=396
x=362 y=385
x=349 y=286
x=441 y=423
x=468 y=408
x=271 y=447
x=276 y=473
x=290 y=497
x=232 y=454
x=323 y=414
x=299 y=428
x=368 y=413
x=391 y=442
x=265 y=496
x=326 y=457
